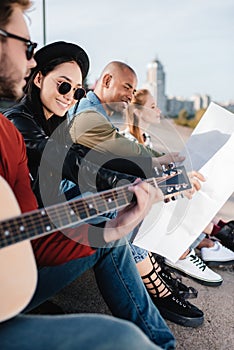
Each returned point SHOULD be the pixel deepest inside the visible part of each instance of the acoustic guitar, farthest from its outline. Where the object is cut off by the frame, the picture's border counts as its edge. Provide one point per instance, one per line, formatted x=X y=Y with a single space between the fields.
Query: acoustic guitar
x=18 y=271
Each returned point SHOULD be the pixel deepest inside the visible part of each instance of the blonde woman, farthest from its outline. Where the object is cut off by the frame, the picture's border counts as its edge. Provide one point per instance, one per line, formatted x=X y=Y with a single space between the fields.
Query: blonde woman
x=142 y=114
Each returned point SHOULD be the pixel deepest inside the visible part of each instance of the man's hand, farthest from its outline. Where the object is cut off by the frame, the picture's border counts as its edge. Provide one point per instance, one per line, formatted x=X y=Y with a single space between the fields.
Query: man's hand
x=172 y=157
x=133 y=214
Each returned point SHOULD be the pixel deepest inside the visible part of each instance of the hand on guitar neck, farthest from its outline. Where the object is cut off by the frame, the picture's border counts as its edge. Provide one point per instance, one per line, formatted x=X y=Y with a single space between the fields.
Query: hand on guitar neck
x=128 y=218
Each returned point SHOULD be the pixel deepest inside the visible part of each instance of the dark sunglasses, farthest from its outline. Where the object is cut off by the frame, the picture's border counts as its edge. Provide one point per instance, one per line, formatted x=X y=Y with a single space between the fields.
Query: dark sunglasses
x=64 y=88
x=30 y=45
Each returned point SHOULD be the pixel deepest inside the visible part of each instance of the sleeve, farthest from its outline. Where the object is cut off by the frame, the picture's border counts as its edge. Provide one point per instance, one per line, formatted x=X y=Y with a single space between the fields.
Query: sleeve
x=36 y=141
x=22 y=186
x=155 y=153
x=34 y=138
x=103 y=170
x=92 y=130
x=70 y=244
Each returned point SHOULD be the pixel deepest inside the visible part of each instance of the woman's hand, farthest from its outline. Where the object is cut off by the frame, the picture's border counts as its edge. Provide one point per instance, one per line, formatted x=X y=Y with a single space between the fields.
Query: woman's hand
x=195 y=177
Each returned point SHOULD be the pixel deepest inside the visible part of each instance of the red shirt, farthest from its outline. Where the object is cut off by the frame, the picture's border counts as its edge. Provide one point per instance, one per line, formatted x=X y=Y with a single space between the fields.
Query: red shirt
x=55 y=248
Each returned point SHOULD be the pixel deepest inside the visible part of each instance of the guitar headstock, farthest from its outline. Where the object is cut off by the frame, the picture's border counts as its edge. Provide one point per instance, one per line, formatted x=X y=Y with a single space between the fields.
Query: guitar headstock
x=172 y=180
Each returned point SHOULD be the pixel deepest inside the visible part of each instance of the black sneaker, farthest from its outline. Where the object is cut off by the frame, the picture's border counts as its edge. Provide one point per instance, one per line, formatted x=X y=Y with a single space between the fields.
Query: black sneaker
x=226 y=235
x=178 y=310
x=169 y=302
x=173 y=280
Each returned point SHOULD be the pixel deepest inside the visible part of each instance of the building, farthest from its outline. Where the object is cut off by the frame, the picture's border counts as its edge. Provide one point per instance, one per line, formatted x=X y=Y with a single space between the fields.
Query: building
x=200 y=101
x=171 y=106
x=155 y=82
x=176 y=104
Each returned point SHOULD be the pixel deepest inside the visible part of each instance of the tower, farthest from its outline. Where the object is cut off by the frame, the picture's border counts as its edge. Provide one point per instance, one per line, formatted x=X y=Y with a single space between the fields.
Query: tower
x=156 y=83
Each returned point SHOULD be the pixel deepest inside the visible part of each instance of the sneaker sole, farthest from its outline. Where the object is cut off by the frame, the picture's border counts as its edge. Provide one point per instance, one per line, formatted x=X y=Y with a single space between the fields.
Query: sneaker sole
x=203 y=282
x=181 y=320
x=219 y=263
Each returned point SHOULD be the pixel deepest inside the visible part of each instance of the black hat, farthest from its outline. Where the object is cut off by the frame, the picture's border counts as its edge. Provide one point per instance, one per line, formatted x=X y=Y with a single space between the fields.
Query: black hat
x=62 y=49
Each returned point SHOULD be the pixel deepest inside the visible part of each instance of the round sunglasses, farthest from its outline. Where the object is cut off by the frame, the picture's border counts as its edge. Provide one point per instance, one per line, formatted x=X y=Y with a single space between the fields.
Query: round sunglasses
x=64 y=88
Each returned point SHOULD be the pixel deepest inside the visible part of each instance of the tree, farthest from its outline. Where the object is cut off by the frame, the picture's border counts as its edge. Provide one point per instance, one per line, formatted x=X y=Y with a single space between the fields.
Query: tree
x=182 y=118
x=198 y=115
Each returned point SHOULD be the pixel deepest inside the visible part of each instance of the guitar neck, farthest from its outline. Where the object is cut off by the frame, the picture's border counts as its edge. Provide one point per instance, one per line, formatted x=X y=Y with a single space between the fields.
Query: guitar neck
x=60 y=216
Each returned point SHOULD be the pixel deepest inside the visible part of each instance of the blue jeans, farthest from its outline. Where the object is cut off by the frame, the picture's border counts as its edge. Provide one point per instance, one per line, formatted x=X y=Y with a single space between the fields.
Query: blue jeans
x=139 y=254
x=119 y=284
x=72 y=332
x=71 y=192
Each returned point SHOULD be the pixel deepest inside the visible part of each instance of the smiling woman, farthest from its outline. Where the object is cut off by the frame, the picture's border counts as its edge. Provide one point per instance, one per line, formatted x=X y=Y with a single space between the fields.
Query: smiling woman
x=53 y=87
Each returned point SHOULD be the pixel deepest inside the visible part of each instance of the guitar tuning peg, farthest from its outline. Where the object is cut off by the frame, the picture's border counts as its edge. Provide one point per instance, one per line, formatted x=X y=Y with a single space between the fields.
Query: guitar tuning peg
x=169 y=189
x=164 y=168
x=171 y=165
x=156 y=171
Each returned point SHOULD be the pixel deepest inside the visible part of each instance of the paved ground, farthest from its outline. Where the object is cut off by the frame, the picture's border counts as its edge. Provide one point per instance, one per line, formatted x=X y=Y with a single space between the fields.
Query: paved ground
x=217 y=332
x=217 y=303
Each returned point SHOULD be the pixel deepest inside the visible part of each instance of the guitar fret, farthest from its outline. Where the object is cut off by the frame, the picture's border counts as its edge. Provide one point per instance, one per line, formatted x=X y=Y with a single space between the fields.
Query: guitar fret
x=154 y=182
x=80 y=213
x=126 y=198
x=110 y=200
x=33 y=227
x=85 y=212
x=91 y=206
x=69 y=215
x=94 y=204
x=53 y=219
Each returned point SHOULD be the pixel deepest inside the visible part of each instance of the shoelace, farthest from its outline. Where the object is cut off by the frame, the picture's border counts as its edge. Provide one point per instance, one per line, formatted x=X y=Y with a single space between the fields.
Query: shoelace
x=184 y=291
x=198 y=262
x=175 y=281
x=180 y=301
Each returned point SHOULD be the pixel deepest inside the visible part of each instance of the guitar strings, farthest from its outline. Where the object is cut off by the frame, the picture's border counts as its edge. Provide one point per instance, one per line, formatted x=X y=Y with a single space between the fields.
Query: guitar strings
x=59 y=210
x=83 y=202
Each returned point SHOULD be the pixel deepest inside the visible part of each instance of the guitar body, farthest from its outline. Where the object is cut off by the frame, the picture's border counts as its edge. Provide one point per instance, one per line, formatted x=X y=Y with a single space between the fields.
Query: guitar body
x=18 y=271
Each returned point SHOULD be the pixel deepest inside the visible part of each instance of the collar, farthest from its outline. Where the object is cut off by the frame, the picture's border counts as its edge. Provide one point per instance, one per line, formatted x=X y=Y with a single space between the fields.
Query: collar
x=92 y=102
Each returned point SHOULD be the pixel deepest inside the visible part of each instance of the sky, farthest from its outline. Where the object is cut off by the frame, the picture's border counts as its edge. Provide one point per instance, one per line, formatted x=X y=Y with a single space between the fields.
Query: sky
x=193 y=39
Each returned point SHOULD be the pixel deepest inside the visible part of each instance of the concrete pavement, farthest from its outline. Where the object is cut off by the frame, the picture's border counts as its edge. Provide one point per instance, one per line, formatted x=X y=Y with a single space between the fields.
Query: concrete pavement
x=217 y=303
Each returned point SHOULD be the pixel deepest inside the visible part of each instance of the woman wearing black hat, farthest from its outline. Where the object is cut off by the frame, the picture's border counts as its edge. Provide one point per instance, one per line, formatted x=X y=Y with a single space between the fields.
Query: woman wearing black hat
x=54 y=86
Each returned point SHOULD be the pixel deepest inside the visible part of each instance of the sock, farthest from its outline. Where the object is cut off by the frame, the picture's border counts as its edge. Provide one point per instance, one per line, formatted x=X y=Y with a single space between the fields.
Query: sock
x=221 y=223
x=216 y=228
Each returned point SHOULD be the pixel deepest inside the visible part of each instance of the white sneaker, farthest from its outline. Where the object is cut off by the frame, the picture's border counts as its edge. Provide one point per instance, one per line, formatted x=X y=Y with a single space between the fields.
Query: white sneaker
x=217 y=255
x=192 y=266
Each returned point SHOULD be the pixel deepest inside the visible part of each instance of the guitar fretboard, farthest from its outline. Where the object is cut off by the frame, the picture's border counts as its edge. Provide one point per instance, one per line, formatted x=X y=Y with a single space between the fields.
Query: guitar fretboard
x=64 y=215
x=44 y=221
